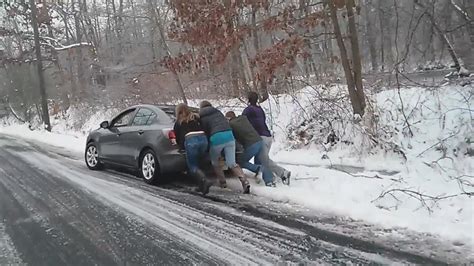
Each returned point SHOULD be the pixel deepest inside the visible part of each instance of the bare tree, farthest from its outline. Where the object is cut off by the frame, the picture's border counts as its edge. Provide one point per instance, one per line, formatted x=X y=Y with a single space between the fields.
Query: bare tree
x=353 y=74
x=39 y=65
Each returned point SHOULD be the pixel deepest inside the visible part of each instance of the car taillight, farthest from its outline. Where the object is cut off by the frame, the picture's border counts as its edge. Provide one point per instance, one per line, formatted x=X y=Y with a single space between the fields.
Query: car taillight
x=172 y=137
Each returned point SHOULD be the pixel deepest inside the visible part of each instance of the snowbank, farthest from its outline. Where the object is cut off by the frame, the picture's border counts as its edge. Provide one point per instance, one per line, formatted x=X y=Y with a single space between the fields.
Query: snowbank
x=437 y=162
x=350 y=177
x=74 y=143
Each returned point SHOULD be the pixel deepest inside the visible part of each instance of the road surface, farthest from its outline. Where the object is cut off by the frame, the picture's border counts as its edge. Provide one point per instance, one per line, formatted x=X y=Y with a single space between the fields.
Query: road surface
x=54 y=211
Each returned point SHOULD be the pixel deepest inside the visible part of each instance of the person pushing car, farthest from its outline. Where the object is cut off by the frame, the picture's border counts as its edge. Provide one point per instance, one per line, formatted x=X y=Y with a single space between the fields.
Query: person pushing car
x=221 y=139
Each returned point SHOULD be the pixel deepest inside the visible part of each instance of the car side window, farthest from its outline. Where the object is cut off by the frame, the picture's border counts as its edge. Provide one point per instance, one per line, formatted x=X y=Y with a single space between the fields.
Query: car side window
x=152 y=119
x=144 y=117
x=123 y=119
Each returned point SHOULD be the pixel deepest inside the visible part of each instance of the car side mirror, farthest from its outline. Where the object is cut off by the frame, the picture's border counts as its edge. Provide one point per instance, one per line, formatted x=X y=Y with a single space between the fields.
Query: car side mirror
x=104 y=124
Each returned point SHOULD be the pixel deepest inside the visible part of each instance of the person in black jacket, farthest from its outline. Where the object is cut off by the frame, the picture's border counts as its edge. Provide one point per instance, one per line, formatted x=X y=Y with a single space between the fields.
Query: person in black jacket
x=191 y=137
x=221 y=139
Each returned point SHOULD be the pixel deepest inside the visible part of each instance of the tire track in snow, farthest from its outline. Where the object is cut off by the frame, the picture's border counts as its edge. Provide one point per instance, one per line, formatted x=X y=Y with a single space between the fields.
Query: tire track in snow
x=8 y=252
x=55 y=223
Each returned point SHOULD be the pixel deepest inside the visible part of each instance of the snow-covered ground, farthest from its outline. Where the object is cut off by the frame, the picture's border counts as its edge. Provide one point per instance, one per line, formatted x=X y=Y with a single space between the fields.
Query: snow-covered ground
x=350 y=177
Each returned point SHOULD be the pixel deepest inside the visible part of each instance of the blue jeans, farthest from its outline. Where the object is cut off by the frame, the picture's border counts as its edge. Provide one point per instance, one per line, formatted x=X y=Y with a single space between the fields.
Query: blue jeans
x=229 y=154
x=256 y=150
x=196 y=148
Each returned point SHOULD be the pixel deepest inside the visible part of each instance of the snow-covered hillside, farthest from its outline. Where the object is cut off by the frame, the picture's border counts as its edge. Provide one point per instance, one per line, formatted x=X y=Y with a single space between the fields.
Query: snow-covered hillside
x=408 y=165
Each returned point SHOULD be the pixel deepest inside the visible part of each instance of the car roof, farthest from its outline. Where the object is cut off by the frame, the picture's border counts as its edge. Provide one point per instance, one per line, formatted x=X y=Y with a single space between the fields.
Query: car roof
x=152 y=106
x=165 y=107
x=169 y=109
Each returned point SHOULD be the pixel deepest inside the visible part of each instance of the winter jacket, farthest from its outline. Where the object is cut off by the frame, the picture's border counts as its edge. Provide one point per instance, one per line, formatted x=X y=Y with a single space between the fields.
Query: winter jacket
x=184 y=128
x=213 y=121
x=243 y=131
x=256 y=116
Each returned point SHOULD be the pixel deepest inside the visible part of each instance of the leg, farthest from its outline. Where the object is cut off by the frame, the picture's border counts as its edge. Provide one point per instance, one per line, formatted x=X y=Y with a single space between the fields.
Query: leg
x=229 y=151
x=215 y=153
x=192 y=154
x=194 y=147
x=205 y=184
x=248 y=154
x=262 y=158
x=275 y=168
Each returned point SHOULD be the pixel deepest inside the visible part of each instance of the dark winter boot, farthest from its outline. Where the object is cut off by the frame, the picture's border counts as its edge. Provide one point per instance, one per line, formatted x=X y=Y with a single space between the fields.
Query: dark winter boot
x=220 y=176
x=245 y=185
x=204 y=184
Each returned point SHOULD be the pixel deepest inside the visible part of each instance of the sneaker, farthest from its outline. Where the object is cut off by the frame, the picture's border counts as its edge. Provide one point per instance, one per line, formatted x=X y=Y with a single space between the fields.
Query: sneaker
x=270 y=184
x=285 y=178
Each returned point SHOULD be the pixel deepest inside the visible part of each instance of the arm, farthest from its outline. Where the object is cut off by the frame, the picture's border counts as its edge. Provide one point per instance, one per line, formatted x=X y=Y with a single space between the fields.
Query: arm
x=246 y=111
x=205 y=127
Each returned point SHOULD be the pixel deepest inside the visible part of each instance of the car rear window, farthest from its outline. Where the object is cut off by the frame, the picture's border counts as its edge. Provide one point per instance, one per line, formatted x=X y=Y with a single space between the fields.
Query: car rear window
x=169 y=110
x=164 y=117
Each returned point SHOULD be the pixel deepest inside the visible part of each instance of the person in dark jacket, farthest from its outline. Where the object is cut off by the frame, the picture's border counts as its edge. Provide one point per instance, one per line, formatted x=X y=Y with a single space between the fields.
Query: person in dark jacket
x=253 y=144
x=221 y=139
x=191 y=137
x=257 y=118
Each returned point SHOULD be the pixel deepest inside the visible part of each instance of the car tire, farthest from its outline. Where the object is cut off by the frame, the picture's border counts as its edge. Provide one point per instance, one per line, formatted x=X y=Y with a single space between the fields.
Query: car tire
x=91 y=156
x=149 y=168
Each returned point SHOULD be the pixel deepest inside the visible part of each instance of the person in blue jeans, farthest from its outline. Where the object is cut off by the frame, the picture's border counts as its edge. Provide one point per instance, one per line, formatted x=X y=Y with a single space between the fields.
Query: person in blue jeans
x=221 y=141
x=253 y=147
x=191 y=137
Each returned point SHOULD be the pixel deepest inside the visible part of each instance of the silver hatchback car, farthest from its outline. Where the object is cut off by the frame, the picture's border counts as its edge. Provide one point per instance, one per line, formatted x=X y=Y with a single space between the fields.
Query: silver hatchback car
x=141 y=138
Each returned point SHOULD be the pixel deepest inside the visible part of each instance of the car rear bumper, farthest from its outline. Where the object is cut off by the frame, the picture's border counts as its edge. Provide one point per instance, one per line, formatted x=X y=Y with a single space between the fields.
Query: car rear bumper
x=173 y=162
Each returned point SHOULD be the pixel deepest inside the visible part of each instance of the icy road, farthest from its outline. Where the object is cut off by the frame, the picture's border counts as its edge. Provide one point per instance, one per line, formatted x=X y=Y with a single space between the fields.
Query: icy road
x=54 y=211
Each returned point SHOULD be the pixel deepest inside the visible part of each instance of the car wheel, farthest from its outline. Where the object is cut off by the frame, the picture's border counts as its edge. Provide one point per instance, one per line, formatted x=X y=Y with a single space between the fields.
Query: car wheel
x=149 y=168
x=92 y=157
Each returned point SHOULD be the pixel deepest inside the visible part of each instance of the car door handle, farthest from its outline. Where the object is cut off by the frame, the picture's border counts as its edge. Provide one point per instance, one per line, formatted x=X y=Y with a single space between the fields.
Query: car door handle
x=140 y=132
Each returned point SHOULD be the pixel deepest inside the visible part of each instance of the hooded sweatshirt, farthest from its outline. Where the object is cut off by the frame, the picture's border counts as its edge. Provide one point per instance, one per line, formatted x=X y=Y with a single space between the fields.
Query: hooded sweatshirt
x=215 y=125
x=256 y=116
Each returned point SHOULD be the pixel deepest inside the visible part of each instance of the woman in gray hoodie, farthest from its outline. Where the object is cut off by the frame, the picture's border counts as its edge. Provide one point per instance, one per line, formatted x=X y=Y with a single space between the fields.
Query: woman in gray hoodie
x=221 y=139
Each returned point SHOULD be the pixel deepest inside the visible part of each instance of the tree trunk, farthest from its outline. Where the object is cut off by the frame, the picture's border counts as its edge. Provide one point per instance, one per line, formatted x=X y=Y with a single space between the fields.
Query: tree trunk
x=444 y=39
x=39 y=65
x=91 y=34
x=70 y=61
x=466 y=13
x=262 y=84
x=79 y=56
x=96 y=25
x=351 y=86
x=135 y=23
x=118 y=21
x=356 y=58
x=371 y=37
x=309 y=64
x=234 y=54
x=382 y=41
